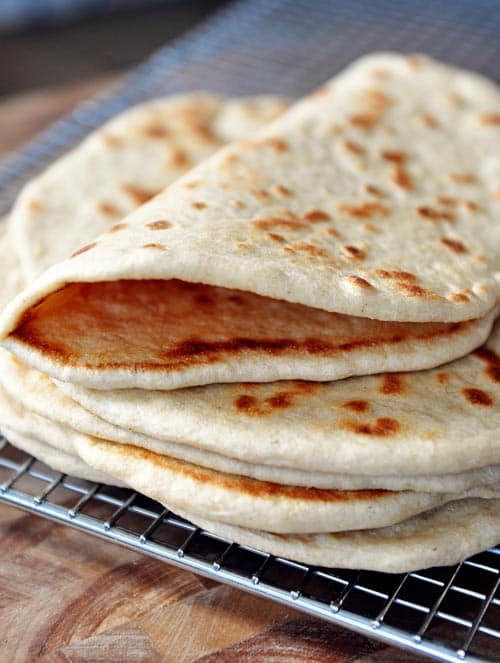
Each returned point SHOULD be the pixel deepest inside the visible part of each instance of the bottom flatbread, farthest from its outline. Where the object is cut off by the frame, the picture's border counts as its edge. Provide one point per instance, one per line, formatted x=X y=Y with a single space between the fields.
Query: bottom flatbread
x=441 y=537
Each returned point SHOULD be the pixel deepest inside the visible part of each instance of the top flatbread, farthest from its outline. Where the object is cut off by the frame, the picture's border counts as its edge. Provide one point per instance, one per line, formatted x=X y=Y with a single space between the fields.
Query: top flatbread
x=356 y=201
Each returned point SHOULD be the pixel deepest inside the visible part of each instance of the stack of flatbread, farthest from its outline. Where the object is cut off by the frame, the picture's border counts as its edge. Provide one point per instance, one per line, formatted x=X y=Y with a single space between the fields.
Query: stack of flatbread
x=293 y=344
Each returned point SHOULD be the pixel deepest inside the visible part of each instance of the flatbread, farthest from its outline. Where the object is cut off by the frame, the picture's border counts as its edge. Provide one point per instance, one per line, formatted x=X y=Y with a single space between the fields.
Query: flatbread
x=241 y=501
x=37 y=393
x=441 y=421
x=390 y=233
x=122 y=164
x=444 y=536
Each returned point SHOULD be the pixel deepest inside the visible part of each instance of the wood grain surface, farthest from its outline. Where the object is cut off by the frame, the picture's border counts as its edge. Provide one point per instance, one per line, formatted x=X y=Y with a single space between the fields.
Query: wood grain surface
x=68 y=597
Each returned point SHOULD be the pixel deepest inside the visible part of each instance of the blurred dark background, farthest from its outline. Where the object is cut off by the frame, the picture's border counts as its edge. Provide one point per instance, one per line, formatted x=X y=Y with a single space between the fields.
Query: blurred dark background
x=53 y=42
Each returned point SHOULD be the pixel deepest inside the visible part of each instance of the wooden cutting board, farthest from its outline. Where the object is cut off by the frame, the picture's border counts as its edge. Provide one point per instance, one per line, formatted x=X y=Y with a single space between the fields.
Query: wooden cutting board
x=68 y=597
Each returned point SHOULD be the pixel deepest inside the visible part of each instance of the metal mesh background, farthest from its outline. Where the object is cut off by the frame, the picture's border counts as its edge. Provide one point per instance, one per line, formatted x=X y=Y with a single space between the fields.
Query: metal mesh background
x=289 y=47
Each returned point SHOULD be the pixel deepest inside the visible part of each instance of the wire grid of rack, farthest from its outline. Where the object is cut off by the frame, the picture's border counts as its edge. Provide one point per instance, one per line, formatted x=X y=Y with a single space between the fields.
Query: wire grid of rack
x=286 y=47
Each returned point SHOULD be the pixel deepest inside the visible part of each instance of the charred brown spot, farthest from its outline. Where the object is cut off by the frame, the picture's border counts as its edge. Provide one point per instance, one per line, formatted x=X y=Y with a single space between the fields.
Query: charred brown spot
x=261 y=194
x=83 y=249
x=156 y=131
x=179 y=159
x=198 y=205
x=447 y=201
x=492 y=361
x=401 y=177
x=333 y=232
x=158 y=225
x=154 y=245
x=477 y=397
x=352 y=147
x=356 y=405
x=138 y=194
x=365 y=121
x=443 y=378
x=413 y=290
x=393 y=156
x=394 y=274
x=311 y=250
x=458 y=297
x=277 y=144
x=377 y=97
x=453 y=244
x=192 y=185
x=108 y=209
x=374 y=190
x=315 y=216
x=489 y=119
x=204 y=132
x=470 y=205
x=282 y=190
x=382 y=427
x=462 y=178
x=279 y=222
x=353 y=252
x=364 y=210
x=429 y=120
x=118 y=227
x=433 y=214
x=246 y=403
x=392 y=383
x=281 y=400
x=359 y=282
x=276 y=237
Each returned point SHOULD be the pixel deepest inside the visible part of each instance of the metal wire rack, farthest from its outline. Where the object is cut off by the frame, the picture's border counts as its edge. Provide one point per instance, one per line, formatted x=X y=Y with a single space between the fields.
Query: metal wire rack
x=286 y=47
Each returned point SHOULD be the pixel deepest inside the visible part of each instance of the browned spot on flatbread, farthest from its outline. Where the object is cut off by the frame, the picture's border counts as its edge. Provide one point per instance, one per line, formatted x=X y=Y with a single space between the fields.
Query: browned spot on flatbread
x=179 y=158
x=353 y=252
x=154 y=245
x=356 y=405
x=204 y=132
x=246 y=404
x=489 y=119
x=156 y=131
x=492 y=361
x=395 y=274
x=162 y=327
x=432 y=214
x=35 y=206
x=118 y=227
x=470 y=205
x=458 y=297
x=275 y=237
x=377 y=98
x=365 y=121
x=381 y=427
x=359 y=281
x=395 y=156
x=161 y=224
x=412 y=290
x=281 y=400
x=352 y=147
x=392 y=383
x=374 y=190
x=108 y=209
x=477 y=396
x=462 y=178
x=312 y=250
x=83 y=249
x=279 y=222
x=453 y=244
x=277 y=144
x=365 y=210
x=261 y=194
x=443 y=378
x=401 y=177
x=193 y=184
x=429 y=120
x=111 y=140
x=282 y=190
x=315 y=216
x=198 y=205
x=138 y=194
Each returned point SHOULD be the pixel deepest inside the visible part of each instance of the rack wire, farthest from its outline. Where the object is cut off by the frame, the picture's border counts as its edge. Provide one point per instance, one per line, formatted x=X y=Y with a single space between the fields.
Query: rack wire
x=286 y=47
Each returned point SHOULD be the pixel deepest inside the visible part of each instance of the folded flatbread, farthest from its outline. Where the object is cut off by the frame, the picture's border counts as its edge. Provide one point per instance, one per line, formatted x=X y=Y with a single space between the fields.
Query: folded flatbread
x=268 y=260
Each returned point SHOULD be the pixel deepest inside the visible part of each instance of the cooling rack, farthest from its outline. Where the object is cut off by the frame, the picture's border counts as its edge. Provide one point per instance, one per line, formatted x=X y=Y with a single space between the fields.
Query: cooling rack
x=286 y=47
